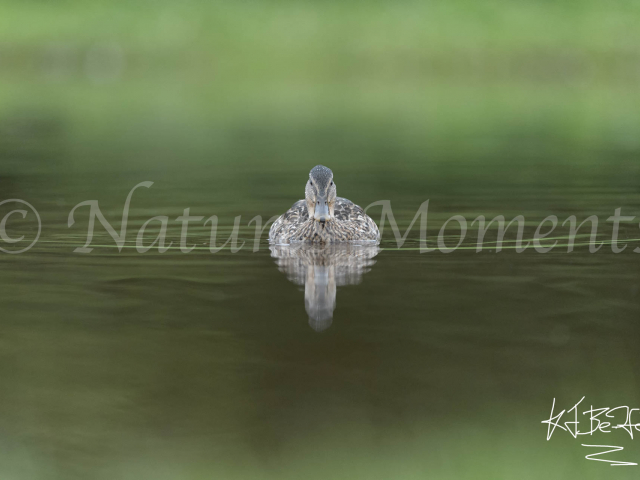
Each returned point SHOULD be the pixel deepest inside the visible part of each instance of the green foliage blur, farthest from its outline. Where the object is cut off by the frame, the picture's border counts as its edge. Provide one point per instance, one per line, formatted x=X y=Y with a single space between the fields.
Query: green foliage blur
x=129 y=85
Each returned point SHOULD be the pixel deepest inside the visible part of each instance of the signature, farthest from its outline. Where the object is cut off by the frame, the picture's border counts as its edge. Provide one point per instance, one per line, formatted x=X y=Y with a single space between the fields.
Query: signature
x=603 y=420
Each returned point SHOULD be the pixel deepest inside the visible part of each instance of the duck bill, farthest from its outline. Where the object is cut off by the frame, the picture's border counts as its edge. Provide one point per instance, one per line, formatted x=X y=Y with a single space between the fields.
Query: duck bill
x=322 y=211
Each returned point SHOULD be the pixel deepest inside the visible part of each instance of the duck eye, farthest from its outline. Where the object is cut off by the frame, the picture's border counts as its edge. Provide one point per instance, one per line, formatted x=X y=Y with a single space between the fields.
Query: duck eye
x=311 y=183
x=331 y=182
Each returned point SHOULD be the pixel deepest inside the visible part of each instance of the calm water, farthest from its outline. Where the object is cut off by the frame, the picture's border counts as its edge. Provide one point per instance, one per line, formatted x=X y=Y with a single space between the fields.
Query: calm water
x=199 y=365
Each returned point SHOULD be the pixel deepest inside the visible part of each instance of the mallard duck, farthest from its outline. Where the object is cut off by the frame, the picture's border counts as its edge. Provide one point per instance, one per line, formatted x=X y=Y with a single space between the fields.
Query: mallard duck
x=322 y=217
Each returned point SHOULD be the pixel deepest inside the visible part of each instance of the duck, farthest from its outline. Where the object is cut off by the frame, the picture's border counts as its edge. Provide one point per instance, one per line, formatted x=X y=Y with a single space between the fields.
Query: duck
x=323 y=217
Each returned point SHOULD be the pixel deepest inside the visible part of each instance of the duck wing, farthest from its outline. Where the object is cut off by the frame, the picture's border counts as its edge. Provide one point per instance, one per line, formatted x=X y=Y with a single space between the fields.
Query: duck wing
x=296 y=215
x=346 y=210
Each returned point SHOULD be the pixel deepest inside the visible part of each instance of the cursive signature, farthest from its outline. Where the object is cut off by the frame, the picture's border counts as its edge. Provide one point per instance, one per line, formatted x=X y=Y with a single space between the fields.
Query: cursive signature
x=603 y=420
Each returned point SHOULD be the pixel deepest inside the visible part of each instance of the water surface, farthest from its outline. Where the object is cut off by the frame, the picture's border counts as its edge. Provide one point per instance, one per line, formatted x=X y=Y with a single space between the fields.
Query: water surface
x=199 y=365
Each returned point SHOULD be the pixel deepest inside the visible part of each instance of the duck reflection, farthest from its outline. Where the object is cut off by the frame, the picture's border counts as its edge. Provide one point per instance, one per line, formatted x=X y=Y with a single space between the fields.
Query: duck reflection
x=321 y=270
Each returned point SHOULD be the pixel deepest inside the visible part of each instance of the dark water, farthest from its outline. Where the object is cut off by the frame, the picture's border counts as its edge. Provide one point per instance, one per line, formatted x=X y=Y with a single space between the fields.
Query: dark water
x=199 y=365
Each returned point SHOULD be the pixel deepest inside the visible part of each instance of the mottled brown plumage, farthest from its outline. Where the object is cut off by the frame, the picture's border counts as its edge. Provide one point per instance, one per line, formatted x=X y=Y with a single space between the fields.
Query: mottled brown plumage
x=322 y=217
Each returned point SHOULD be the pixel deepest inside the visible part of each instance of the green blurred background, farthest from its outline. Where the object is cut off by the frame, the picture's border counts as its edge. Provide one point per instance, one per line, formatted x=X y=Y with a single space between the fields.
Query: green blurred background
x=162 y=84
x=203 y=366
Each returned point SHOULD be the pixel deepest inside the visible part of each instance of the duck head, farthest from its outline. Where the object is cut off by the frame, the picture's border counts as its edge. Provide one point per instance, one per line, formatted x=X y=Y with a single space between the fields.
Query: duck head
x=320 y=194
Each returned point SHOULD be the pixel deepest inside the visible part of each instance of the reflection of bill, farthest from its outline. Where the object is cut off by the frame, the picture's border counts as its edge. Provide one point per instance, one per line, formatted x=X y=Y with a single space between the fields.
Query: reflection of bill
x=321 y=270
x=7 y=240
